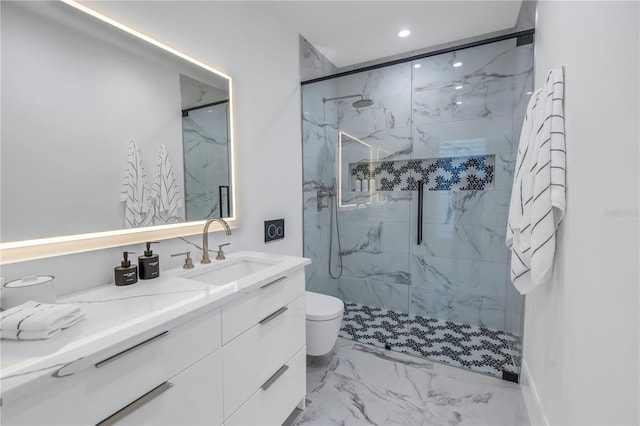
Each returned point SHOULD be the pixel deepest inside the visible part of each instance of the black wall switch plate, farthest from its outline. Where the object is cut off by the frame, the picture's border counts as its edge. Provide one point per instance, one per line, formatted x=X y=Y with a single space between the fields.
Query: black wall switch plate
x=273 y=230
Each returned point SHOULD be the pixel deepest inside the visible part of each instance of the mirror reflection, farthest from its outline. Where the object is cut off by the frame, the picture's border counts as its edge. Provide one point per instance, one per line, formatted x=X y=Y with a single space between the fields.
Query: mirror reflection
x=205 y=132
x=102 y=131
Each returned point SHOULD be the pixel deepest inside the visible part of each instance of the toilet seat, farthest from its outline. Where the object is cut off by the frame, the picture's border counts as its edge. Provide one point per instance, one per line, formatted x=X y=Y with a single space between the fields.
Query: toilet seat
x=320 y=307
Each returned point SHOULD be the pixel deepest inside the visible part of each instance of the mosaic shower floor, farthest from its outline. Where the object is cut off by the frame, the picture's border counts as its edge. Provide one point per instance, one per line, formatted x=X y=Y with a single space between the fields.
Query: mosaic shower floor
x=462 y=345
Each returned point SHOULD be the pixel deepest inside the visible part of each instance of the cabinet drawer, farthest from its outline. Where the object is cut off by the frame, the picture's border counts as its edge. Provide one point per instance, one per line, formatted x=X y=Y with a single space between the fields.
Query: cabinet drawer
x=193 y=397
x=240 y=315
x=274 y=401
x=119 y=377
x=255 y=355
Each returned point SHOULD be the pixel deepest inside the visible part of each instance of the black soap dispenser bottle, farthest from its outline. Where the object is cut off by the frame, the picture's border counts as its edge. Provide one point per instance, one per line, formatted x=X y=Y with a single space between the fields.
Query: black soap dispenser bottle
x=126 y=273
x=149 y=264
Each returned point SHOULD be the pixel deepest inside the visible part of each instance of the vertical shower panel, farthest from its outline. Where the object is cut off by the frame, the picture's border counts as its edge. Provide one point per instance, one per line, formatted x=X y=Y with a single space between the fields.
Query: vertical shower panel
x=375 y=225
x=319 y=150
x=459 y=272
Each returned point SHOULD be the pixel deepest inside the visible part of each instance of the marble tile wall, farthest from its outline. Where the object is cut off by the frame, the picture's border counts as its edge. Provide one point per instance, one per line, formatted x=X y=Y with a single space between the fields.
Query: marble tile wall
x=459 y=271
x=313 y=64
x=319 y=153
x=206 y=157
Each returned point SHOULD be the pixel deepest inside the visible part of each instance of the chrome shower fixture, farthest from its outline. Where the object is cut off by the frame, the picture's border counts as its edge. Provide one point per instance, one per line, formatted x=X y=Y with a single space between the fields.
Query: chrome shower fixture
x=322 y=194
x=362 y=103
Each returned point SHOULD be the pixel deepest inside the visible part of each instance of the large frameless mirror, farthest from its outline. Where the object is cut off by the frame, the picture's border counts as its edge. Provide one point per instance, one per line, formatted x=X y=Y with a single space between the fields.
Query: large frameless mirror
x=103 y=131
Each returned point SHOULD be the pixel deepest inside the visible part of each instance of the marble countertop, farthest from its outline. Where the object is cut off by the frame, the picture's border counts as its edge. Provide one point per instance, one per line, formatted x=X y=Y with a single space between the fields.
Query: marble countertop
x=116 y=316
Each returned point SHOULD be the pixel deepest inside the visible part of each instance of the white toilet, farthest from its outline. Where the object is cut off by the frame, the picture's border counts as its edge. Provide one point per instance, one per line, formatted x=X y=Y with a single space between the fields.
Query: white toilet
x=324 y=317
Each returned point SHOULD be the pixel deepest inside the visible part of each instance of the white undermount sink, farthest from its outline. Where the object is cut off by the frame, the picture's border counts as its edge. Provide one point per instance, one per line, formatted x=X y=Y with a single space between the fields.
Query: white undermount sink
x=228 y=271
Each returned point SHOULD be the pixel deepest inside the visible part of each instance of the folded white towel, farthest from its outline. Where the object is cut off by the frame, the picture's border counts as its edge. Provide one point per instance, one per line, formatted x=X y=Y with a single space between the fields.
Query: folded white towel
x=28 y=335
x=37 y=334
x=33 y=316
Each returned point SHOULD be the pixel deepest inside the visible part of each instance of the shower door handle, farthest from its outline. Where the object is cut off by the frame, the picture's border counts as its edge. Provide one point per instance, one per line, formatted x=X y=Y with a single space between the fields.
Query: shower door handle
x=420 y=210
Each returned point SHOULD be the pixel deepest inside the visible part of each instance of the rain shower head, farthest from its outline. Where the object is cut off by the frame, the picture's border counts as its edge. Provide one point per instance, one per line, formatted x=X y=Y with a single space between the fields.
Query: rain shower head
x=362 y=103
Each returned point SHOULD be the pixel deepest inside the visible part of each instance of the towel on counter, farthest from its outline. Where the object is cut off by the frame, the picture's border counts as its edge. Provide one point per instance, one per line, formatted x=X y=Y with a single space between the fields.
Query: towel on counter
x=27 y=334
x=135 y=191
x=167 y=200
x=538 y=196
x=33 y=320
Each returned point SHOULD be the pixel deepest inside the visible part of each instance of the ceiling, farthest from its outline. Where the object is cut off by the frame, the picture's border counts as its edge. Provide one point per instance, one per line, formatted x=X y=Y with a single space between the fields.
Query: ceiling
x=352 y=32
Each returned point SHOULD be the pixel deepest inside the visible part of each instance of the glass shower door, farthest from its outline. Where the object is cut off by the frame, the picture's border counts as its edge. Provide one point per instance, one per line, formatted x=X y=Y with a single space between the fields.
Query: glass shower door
x=464 y=125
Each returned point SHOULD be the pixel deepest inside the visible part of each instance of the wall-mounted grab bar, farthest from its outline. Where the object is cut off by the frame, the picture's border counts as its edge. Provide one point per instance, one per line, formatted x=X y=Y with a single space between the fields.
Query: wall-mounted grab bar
x=420 y=210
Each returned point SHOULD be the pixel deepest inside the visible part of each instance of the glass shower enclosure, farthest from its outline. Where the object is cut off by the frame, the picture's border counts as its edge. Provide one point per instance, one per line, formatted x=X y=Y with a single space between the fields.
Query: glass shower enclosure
x=406 y=202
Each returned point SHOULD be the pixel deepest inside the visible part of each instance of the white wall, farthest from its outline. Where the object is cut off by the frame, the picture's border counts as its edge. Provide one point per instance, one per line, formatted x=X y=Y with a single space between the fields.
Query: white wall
x=581 y=330
x=246 y=41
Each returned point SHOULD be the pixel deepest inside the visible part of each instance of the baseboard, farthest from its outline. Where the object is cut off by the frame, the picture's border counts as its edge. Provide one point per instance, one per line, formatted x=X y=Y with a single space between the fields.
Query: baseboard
x=531 y=399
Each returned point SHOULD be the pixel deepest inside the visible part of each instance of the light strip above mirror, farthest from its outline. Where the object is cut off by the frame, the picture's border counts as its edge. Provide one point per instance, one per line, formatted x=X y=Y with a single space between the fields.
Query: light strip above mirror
x=144 y=37
x=18 y=251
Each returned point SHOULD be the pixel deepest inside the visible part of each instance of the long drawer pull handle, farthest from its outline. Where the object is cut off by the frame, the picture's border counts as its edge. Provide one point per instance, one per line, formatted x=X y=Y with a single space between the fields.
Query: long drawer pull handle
x=275 y=377
x=274 y=315
x=123 y=353
x=273 y=282
x=118 y=415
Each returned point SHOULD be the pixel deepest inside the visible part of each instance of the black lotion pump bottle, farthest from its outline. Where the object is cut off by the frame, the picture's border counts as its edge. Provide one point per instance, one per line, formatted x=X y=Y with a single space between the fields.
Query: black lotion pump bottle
x=149 y=264
x=126 y=273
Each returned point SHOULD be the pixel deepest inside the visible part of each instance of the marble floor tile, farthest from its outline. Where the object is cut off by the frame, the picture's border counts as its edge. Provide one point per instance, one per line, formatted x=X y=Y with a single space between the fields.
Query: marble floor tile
x=349 y=401
x=399 y=373
x=359 y=384
x=459 y=397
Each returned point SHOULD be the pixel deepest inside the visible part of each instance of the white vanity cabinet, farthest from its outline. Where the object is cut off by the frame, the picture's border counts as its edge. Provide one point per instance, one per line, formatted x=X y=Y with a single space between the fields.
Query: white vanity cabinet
x=193 y=397
x=263 y=377
x=239 y=361
x=119 y=377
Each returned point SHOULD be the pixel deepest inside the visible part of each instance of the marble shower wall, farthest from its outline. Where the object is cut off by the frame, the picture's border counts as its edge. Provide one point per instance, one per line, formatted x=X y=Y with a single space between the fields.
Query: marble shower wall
x=313 y=64
x=319 y=147
x=206 y=158
x=424 y=109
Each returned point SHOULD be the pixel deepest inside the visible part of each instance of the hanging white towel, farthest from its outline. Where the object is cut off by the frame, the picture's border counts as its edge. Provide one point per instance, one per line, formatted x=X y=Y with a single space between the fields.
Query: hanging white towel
x=167 y=200
x=538 y=200
x=135 y=191
x=32 y=320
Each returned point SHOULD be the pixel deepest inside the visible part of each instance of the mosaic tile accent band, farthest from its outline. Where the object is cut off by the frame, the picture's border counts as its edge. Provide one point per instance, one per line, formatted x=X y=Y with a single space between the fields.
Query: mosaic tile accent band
x=477 y=348
x=438 y=174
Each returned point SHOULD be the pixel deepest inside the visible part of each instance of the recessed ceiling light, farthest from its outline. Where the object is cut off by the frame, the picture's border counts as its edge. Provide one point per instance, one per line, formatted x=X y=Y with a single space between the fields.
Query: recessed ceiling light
x=457 y=64
x=458 y=87
x=416 y=66
x=404 y=33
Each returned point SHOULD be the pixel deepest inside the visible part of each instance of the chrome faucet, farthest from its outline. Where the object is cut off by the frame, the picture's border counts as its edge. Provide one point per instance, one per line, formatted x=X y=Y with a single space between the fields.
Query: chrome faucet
x=205 y=237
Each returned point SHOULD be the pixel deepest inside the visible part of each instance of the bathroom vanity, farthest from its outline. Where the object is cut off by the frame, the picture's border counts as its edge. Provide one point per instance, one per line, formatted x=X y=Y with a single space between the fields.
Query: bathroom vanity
x=218 y=344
